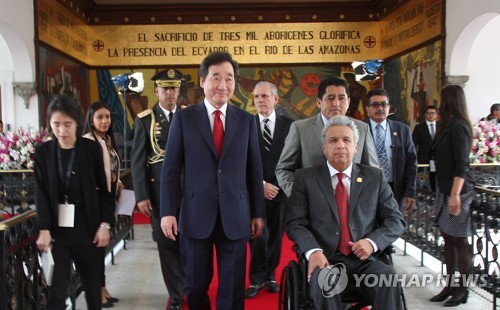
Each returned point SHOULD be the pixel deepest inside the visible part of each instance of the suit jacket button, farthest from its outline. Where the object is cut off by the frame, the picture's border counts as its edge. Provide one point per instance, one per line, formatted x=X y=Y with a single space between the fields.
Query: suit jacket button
x=337 y=233
x=219 y=171
x=152 y=180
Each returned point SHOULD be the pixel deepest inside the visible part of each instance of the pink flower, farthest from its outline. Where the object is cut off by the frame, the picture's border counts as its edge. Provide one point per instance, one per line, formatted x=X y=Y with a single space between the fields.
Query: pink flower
x=17 y=148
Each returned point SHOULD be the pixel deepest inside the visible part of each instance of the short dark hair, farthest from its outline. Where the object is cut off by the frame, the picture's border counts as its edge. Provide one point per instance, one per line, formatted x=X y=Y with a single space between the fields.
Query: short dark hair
x=494 y=107
x=376 y=92
x=68 y=106
x=430 y=107
x=216 y=58
x=332 y=81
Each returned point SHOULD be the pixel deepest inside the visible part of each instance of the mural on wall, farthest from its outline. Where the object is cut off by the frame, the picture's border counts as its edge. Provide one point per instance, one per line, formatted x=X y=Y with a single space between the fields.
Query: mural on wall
x=413 y=81
x=60 y=75
x=297 y=87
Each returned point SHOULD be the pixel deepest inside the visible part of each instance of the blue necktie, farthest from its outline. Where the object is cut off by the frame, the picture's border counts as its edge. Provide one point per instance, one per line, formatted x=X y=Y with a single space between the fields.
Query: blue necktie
x=381 y=152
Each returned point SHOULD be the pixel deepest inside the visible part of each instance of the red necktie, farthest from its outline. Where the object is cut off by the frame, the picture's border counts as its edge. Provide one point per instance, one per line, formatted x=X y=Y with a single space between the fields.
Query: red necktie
x=342 y=198
x=218 y=132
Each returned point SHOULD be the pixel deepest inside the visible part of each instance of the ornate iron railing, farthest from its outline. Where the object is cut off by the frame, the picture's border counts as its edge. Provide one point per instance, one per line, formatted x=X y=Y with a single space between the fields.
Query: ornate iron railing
x=485 y=241
x=17 y=190
x=22 y=282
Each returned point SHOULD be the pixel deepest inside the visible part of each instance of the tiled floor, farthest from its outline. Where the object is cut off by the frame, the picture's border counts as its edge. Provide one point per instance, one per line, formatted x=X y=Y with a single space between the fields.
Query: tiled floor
x=136 y=279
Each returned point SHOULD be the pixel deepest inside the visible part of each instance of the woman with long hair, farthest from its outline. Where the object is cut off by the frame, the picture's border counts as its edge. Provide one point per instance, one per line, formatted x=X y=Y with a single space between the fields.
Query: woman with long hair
x=73 y=217
x=99 y=127
x=454 y=191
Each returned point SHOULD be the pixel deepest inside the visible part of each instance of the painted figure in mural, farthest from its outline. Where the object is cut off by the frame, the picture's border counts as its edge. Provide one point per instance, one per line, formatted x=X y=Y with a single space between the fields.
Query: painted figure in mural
x=214 y=155
x=358 y=95
x=419 y=94
x=303 y=144
x=151 y=129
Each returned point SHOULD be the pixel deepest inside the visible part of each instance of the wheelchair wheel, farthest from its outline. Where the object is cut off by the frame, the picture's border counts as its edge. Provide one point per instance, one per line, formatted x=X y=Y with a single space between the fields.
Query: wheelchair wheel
x=290 y=287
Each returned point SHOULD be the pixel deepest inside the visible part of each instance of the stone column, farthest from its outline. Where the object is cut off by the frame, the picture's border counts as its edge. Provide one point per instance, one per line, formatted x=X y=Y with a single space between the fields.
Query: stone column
x=456 y=79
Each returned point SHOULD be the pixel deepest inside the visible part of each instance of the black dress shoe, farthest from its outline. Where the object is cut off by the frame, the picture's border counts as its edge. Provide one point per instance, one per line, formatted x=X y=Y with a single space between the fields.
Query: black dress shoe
x=273 y=287
x=457 y=300
x=108 y=304
x=253 y=290
x=112 y=299
x=445 y=293
x=175 y=306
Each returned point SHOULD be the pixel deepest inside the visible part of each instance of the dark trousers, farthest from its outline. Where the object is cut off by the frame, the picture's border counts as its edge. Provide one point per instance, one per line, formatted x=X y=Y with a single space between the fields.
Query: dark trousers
x=75 y=245
x=266 y=250
x=197 y=259
x=170 y=261
x=381 y=297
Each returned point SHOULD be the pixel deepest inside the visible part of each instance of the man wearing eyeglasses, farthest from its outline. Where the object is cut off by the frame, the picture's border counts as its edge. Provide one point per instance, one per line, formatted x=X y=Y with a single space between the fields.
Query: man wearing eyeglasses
x=303 y=147
x=395 y=149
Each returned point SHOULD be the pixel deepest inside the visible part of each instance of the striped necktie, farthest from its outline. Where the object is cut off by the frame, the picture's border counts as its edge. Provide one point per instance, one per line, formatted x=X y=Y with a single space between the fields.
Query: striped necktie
x=266 y=135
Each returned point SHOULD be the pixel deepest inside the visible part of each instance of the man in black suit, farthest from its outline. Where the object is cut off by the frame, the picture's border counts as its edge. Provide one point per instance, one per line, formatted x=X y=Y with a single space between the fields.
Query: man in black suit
x=345 y=214
x=423 y=138
x=423 y=134
x=266 y=250
x=395 y=150
x=148 y=151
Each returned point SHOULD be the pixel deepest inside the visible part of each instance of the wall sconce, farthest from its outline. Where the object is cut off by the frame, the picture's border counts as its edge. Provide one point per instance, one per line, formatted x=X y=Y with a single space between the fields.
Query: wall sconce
x=25 y=90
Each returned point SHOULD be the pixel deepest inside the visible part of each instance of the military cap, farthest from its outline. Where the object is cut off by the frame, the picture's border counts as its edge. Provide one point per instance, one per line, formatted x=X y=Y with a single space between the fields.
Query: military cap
x=168 y=78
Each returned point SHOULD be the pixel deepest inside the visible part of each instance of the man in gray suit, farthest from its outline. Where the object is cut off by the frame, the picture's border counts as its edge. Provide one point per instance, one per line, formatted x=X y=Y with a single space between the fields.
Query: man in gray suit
x=345 y=214
x=303 y=144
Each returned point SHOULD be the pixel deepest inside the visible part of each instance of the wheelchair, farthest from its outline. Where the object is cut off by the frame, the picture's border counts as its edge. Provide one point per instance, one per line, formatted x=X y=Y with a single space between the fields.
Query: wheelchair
x=294 y=292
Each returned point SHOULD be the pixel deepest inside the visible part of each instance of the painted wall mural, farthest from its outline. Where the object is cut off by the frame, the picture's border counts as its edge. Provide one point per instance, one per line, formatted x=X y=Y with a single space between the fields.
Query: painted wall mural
x=60 y=75
x=414 y=82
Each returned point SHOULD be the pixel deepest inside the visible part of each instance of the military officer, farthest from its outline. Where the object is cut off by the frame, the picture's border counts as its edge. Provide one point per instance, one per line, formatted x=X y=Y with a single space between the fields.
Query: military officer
x=151 y=129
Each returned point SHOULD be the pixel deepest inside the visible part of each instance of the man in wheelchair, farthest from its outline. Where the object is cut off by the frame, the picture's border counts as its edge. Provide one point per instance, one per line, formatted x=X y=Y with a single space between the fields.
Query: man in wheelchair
x=342 y=215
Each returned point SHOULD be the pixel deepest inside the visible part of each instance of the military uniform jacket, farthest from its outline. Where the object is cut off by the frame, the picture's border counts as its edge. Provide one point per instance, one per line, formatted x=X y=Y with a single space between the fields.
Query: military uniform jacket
x=151 y=129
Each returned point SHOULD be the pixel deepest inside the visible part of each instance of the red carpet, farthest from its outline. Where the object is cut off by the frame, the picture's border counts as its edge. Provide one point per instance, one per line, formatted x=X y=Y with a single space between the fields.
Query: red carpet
x=264 y=300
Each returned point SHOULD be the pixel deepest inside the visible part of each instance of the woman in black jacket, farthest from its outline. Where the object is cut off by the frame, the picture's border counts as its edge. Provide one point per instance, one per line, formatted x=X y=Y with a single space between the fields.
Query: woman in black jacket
x=74 y=206
x=454 y=191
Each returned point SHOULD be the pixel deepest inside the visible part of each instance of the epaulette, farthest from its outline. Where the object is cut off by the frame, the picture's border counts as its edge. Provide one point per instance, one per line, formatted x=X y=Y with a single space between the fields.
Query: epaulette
x=145 y=113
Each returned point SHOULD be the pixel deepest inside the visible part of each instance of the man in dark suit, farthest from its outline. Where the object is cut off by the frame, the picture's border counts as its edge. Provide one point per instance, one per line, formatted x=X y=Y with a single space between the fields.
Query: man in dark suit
x=151 y=128
x=345 y=214
x=216 y=146
x=395 y=150
x=423 y=138
x=266 y=250
x=423 y=135
x=303 y=144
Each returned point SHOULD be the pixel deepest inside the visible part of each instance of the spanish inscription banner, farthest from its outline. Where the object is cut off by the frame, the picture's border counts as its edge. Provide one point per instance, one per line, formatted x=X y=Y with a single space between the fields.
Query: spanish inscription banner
x=156 y=45
x=414 y=23
x=249 y=43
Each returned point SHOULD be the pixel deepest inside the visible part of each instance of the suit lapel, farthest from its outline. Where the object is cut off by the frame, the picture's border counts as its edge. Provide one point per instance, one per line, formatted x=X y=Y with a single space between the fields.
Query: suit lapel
x=203 y=124
x=259 y=132
x=52 y=166
x=357 y=180
x=325 y=184
x=318 y=128
x=232 y=118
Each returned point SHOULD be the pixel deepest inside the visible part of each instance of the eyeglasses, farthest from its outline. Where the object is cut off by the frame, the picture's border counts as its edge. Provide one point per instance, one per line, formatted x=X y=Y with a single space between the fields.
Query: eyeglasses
x=377 y=105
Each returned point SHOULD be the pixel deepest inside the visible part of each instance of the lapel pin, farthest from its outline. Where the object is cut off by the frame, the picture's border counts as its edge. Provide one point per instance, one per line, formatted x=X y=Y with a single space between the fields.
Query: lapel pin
x=395 y=133
x=359 y=180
